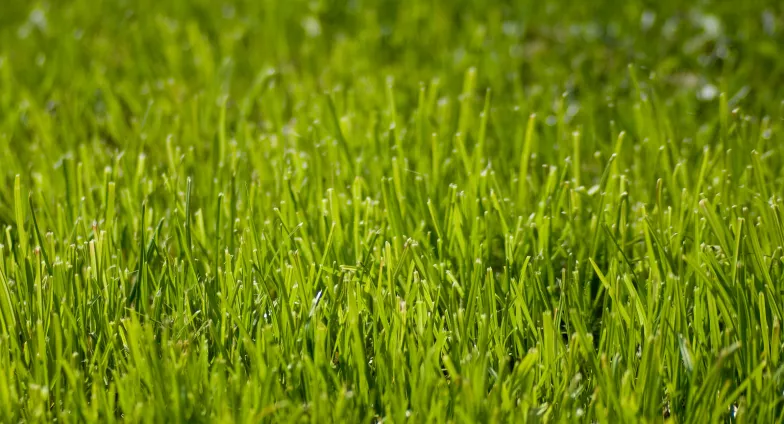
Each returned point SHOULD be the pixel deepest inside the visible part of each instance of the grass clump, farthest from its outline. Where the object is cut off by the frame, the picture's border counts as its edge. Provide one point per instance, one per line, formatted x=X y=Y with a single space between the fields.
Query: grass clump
x=468 y=211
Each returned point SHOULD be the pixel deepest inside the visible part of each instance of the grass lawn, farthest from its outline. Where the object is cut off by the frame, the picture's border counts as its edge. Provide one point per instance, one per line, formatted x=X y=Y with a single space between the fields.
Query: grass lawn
x=402 y=211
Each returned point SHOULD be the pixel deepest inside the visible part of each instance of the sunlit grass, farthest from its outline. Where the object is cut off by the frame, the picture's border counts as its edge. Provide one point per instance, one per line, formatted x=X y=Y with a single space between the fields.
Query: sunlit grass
x=391 y=211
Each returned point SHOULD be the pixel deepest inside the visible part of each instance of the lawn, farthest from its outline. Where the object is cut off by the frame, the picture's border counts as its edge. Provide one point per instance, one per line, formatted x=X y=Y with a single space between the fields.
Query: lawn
x=391 y=211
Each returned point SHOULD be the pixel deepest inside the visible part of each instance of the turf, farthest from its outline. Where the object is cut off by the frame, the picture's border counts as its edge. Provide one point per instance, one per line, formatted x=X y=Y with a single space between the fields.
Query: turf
x=398 y=211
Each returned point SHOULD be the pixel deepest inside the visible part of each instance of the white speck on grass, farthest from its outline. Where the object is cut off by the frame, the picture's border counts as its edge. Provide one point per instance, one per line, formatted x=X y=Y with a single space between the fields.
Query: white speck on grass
x=647 y=20
x=768 y=22
x=312 y=26
x=711 y=25
x=572 y=110
x=670 y=27
x=707 y=93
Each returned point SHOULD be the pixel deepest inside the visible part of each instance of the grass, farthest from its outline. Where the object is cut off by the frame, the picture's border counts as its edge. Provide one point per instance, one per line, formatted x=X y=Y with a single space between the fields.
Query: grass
x=410 y=211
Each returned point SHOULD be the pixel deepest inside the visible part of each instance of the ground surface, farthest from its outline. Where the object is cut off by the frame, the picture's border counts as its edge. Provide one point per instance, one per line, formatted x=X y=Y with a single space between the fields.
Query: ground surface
x=408 y=211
